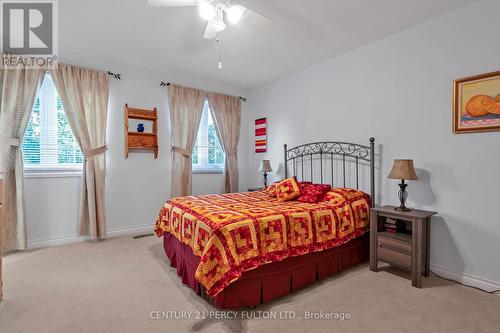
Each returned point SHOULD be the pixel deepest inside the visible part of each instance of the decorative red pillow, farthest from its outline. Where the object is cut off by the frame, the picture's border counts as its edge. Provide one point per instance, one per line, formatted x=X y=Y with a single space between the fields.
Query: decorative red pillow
x=302 y=185
x=314 y=193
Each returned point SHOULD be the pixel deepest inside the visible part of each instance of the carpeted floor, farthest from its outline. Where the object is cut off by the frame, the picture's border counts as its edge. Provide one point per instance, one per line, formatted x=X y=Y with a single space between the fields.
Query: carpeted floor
x=119 y=284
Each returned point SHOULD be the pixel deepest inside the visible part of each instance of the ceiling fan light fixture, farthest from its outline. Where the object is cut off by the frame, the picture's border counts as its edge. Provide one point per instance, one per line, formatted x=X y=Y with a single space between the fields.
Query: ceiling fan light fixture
x=218 y=23
x=219 y=26
x=207 y=11
x=234 y=13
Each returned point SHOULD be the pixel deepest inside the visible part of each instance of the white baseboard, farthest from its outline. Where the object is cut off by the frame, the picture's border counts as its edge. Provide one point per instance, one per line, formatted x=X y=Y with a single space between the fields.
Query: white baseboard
x=140 y=229
x=55 y=241
x=466 y=279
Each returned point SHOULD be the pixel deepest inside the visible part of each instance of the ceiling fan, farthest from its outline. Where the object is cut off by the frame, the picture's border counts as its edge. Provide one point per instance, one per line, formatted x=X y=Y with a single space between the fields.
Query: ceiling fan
x=216 y=13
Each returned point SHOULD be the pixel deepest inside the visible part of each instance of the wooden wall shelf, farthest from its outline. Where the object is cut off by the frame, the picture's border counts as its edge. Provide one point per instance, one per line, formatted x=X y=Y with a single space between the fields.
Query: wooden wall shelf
x=141 y=140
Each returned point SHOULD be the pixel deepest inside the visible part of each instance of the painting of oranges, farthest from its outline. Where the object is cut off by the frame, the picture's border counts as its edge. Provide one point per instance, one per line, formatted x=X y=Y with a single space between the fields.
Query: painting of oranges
x=481 y=105
x=477 y=103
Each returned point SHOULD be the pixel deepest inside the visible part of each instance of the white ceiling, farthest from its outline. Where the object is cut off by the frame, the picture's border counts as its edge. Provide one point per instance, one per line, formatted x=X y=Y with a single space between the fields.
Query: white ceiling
x=306 y=32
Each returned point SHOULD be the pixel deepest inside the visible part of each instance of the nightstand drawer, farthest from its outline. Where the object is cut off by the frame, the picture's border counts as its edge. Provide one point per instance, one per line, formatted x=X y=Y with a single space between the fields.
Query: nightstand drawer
x=394 y=244
x=394 y=257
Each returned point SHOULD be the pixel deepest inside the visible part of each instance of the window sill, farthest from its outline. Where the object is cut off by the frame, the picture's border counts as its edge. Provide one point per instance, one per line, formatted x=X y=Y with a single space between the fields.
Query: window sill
x=71 y=173
x=208 y=171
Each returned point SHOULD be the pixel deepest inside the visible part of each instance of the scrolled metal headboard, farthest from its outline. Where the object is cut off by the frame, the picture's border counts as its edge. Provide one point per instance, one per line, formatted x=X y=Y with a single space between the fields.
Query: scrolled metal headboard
x=343 y=152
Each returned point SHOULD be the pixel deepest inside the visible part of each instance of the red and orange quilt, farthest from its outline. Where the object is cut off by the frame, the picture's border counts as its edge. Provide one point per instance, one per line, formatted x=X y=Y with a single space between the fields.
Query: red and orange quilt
x=237 y=232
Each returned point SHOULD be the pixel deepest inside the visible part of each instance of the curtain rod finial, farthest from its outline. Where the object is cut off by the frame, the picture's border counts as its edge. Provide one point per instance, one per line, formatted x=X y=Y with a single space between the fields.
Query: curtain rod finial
x=115 y=75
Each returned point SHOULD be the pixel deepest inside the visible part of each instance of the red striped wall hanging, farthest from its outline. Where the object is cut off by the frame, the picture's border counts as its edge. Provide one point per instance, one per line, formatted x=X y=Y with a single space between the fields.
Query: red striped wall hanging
x=261 y=135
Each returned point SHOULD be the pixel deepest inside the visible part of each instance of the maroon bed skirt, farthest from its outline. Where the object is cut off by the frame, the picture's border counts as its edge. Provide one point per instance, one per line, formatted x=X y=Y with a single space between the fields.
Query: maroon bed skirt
x=272 y=280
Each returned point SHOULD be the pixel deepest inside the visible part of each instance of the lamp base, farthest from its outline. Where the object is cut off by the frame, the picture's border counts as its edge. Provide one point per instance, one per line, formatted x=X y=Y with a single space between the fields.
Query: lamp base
x=402 y=195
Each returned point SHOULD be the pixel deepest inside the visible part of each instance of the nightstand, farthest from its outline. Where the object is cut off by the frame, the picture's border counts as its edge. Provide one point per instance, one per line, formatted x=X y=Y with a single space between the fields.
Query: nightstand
x=255 y=189
x=404 y=250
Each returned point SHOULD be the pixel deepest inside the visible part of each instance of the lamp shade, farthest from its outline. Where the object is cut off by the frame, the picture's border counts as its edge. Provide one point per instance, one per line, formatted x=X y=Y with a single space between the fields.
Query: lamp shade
x=403 y=169
x=265 y=166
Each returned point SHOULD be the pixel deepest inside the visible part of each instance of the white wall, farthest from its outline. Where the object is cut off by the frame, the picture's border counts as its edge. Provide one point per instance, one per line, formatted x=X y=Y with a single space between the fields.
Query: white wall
x=136 y=187
x=399 y=90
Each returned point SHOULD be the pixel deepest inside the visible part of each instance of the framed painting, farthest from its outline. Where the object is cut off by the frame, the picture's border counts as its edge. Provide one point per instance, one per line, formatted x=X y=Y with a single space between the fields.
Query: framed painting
x=476 y=103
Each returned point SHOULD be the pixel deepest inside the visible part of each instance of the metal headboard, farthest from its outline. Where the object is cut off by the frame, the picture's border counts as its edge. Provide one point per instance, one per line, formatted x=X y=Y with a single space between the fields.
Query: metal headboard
x=343 y=152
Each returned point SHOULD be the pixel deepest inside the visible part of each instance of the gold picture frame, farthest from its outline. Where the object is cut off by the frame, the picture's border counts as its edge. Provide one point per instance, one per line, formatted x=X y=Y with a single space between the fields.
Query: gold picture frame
x=476 y=103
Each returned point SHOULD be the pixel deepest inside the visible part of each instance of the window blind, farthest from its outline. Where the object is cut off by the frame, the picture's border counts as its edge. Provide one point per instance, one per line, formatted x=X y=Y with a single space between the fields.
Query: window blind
x=49 y=142
x=207 y=152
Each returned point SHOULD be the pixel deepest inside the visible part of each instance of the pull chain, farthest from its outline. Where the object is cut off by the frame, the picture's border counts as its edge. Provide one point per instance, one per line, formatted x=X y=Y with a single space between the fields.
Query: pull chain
x=219 y=44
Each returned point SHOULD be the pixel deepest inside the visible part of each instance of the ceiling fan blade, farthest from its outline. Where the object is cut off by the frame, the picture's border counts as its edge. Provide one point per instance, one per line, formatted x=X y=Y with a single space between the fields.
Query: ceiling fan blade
x=258 y=19
x=210 y=32
x=172 y=3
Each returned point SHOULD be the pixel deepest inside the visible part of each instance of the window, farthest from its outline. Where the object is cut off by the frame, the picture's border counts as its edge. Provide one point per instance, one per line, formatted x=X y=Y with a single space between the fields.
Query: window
x=49 y=143
x=208 y=155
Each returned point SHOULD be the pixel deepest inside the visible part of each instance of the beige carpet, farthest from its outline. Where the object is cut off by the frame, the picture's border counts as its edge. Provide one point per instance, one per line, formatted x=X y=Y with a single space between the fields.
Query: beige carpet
x=113 y=286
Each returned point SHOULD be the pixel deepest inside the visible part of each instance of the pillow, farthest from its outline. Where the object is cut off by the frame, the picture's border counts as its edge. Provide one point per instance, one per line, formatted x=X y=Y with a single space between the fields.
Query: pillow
x=340 y=195
x=334 y=197
x=302 y=185
x=271 y=189
x=288 y=189
x=314 y=193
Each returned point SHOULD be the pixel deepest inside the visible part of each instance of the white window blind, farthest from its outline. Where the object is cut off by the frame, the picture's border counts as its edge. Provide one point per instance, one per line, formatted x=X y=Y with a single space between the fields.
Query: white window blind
x=207 y=152
x=49 y=143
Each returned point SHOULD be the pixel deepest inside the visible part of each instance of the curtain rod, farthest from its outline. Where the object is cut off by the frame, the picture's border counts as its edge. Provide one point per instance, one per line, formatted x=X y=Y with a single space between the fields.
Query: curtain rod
x=115 y=75
x=166 y=84
x=118 y=76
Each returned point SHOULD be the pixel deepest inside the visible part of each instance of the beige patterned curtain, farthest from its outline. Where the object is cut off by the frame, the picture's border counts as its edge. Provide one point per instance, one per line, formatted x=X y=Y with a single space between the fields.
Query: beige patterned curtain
x=84 y=94
x=18 y=89
x=227 y=116
x=186 y=108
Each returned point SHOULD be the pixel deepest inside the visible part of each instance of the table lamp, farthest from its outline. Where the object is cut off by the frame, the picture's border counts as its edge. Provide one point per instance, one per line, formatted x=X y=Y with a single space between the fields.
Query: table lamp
x=265 y=167
x=403 y=169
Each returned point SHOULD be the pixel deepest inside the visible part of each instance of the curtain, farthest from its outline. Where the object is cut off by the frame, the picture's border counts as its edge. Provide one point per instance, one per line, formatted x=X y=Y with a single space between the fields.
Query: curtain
x=84 y=94
x=226 y=112
x=186 y=108
x=18 y=89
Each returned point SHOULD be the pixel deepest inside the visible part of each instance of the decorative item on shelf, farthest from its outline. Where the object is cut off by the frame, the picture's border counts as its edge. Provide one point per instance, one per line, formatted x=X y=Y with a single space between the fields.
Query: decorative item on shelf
x=261 y=135
x=403 y=169
x=265 y=167
x=394 y=226
x=476 y=103
x=140 y=139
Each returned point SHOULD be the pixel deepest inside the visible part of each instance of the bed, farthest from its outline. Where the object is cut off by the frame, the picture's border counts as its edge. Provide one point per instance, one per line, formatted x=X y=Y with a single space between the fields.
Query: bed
x=242 y=249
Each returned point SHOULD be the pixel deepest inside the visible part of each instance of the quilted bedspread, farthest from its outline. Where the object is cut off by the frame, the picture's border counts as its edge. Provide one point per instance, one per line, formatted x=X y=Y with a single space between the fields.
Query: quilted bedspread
x=233 y=233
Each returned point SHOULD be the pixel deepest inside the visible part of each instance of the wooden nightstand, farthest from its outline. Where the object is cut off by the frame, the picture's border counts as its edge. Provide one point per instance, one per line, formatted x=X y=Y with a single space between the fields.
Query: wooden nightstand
x=408 y=251
x=255 y=189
